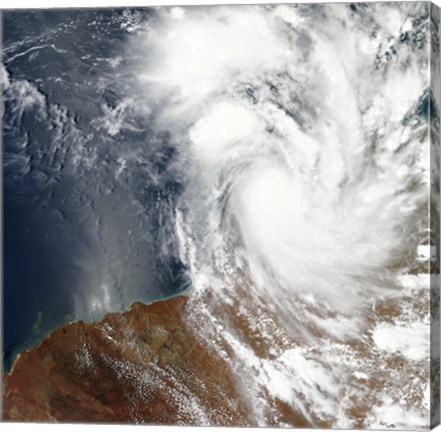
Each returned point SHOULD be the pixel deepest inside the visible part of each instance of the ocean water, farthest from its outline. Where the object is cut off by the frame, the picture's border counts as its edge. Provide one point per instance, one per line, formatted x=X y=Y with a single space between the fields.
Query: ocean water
x=88 y=196
x=274 y=158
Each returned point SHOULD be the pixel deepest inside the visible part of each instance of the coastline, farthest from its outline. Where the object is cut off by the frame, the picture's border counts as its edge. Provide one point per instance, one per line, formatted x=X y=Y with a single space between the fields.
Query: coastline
x=169 y=375
x=15 y=356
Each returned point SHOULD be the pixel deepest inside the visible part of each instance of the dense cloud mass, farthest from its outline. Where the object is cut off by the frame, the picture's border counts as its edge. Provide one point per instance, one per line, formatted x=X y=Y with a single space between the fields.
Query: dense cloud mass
x=294 y=144
x=273 y=161
x=303 y=141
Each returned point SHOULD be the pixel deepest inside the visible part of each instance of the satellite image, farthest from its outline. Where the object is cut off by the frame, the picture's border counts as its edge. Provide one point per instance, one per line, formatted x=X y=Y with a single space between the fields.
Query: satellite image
x=222 y=215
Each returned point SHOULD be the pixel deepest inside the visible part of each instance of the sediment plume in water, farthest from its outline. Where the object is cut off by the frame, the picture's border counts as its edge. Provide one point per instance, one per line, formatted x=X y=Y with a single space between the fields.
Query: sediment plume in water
x=300 y=139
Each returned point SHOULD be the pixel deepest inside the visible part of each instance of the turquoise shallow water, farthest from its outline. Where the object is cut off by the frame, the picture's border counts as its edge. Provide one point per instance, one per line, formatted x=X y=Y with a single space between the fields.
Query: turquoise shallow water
x=39 y=333
x=88 y=209
x=274 y=156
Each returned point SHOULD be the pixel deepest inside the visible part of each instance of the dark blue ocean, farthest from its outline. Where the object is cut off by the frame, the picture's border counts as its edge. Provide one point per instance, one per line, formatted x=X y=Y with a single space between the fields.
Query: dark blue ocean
x=88 y=189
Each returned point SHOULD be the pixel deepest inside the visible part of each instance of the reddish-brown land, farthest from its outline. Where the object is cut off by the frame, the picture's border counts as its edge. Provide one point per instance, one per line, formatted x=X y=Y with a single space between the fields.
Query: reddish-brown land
x=143 y=365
